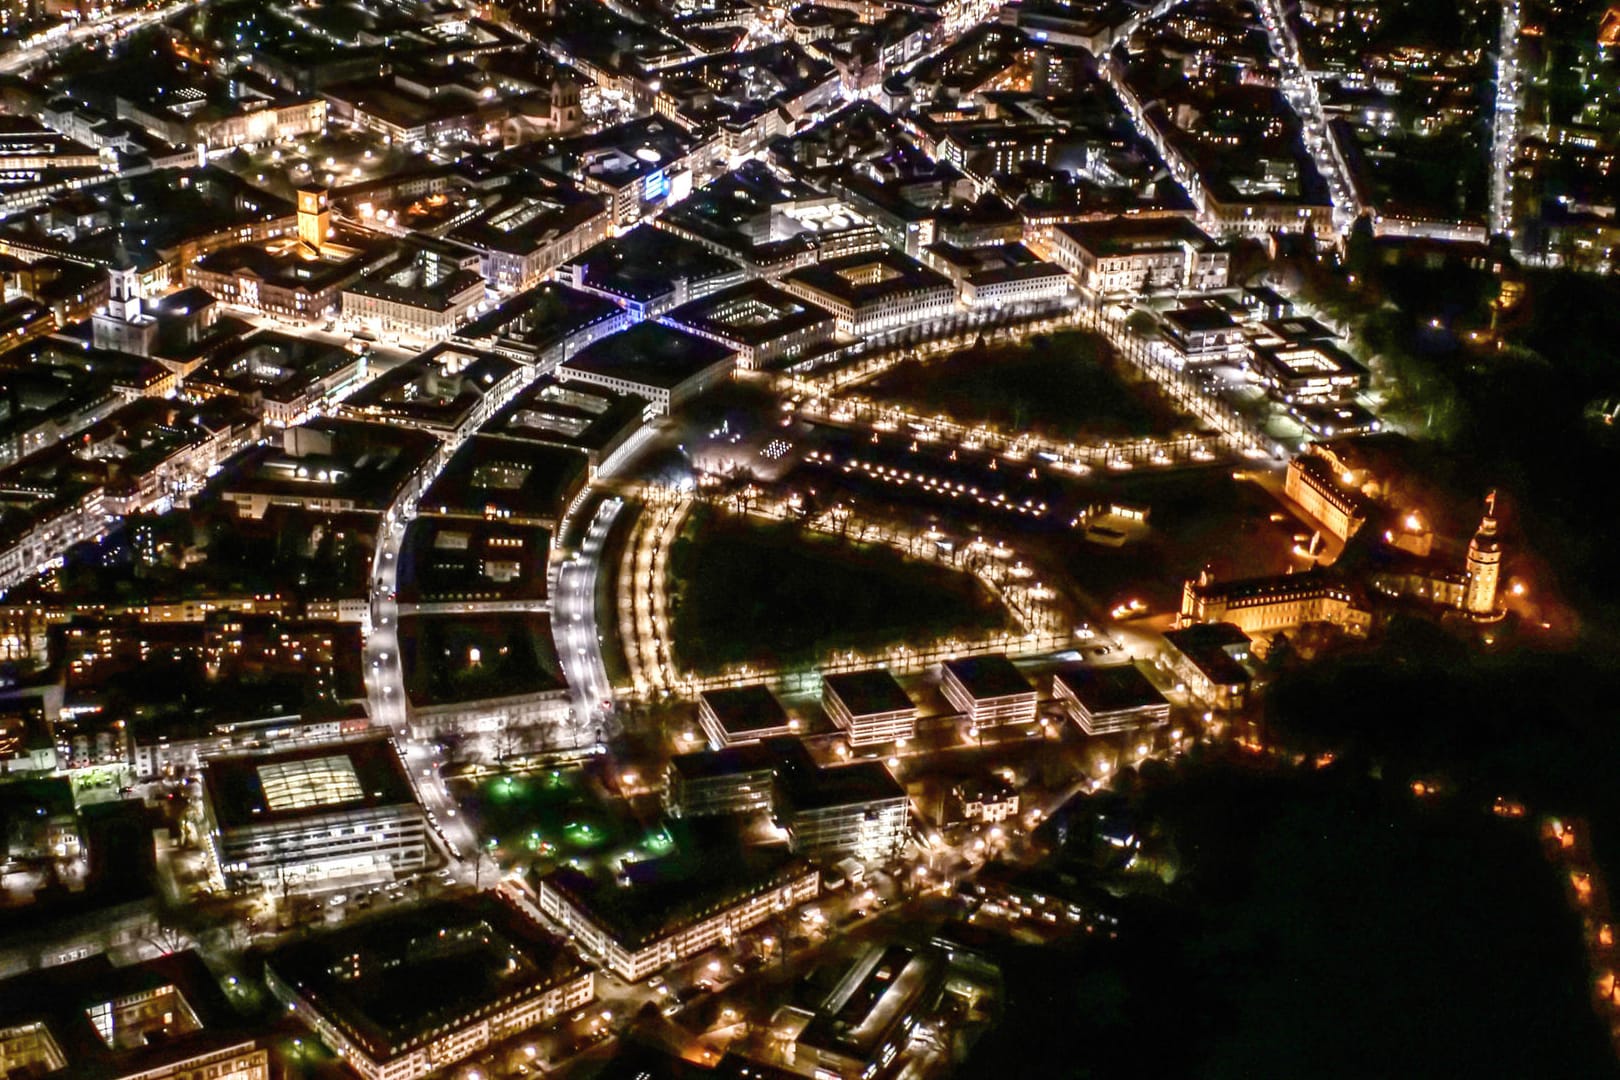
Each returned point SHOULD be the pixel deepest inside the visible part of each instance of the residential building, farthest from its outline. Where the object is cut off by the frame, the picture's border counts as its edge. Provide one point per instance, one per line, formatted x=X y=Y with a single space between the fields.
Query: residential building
x=165 y=1019
x=707 y=891
x=416 y=991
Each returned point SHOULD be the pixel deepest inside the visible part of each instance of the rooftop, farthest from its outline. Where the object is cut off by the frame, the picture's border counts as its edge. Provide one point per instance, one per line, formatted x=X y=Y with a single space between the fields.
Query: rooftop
x=650 y=354
x=396 y=981
x=865 y=693
x=542 y=316
x=745 y=709
x=78 y=1010
x=750 y=314
x=441 y=387
x=869 y=278
x=330 y=459
x=710 y=869
x=273 y=366
x=580 y=415
x=525 y=222
x=1111 y=688
x=505 y=478
x=251 y=790
x=1128 y=235
x=1210 y=646
x=989 y=676
x=730 y=761
x=646 y=262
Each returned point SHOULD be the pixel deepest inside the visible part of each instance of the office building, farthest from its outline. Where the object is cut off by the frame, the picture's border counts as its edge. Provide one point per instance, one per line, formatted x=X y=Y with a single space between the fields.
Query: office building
x=738 y=780
x=989 y=690
x=1109 y=699
x=869 y=706
x=317 y=817
x=742 y=714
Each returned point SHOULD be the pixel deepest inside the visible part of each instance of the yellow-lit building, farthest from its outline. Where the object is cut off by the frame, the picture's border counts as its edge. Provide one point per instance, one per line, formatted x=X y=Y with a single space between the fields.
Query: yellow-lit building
x=1484 y=566
x=1315 y=488
x=1265 y=605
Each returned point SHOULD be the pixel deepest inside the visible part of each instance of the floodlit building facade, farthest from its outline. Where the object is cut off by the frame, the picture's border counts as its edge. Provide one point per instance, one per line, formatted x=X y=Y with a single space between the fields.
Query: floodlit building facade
x=315 y=817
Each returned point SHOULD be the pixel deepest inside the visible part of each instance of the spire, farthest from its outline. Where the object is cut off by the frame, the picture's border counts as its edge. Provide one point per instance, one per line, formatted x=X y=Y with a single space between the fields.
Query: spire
x=1487 y=524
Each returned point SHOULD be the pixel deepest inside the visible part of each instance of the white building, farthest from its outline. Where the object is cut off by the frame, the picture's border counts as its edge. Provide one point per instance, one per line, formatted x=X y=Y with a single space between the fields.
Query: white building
x=370 y=992
x=989 y=690
x=869 y=706
x=324 y=815
x=1108 y=699
x=633 y=929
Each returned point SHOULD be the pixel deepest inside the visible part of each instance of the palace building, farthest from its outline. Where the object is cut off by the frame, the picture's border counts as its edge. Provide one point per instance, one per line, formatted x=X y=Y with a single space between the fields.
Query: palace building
x=1264 y=605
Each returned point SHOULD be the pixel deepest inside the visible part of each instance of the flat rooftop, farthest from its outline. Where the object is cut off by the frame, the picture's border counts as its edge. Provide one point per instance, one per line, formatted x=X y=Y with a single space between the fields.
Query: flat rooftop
x=440 y=388
x=1109 y=689
x=651 y=354
x=331 y=459
x=250 y=790
x=288 y=263
x=1296 y=329
x=807 y=786
x=542 y=316
x=646 y=262
x=989 y=676
x=711 y=868
x=274 y=366
x=869 y=278
x=396 y=981
x=744 y=710
x=1207 y=645
x=752 y=313
x=530 y=220
x=841 y=785
x=75 y=1006
x=876 y=993
x=1202 y=319
x=867 y=693
x=576 y=414
x=1313 y=359
x=495 y=477
x=730 y=761
x=1127 y=236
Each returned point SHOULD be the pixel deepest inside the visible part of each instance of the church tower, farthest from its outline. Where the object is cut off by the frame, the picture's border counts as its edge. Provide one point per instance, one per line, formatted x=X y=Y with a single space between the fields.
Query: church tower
x=1484 y=566
x=122 y=325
